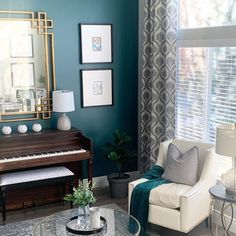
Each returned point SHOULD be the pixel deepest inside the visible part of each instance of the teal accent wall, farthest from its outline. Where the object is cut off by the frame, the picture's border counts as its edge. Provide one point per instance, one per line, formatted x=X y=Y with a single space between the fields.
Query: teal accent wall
x=97 y=122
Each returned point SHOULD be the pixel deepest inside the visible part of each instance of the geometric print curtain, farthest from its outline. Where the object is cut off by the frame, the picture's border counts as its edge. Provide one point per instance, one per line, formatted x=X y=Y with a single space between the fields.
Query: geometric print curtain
x=157 y=85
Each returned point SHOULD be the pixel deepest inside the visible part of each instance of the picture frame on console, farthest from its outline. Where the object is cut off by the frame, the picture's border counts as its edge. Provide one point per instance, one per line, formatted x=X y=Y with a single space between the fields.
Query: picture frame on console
x=97 y=87
x=96 y=43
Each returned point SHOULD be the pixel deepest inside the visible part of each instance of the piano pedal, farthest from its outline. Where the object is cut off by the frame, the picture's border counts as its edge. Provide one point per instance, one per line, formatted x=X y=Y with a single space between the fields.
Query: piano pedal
x=35 y=203
x=24 y=205
x=29 y=204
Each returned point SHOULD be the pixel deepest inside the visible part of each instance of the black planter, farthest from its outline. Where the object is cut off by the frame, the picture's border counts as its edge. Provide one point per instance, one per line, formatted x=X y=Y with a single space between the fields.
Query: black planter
x=118 y=184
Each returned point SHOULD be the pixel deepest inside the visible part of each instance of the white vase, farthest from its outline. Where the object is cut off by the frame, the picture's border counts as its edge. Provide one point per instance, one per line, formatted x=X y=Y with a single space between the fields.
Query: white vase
x=6 y=130
x=22 y=129
x=94 y=217
x=36 y=127
x=83 y=220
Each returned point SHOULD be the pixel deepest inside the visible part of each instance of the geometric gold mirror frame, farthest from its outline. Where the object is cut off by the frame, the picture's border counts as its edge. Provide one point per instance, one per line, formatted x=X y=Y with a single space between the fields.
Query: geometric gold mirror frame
x=27 y=70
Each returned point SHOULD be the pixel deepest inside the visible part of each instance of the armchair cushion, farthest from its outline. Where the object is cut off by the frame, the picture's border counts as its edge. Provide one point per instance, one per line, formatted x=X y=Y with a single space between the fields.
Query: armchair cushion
x=168 y=195
x=181 y=167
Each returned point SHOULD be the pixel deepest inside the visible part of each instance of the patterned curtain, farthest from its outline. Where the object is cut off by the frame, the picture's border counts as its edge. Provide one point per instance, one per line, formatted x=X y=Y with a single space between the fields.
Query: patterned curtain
x=157 y=85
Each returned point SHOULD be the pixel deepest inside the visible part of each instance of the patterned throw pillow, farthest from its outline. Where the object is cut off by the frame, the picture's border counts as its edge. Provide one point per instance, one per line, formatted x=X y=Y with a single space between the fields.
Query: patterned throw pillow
x=181 y=167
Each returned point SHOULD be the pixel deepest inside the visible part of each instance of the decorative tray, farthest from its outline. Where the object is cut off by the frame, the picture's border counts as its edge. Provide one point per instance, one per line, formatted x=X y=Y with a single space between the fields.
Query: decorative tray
x=74 y=228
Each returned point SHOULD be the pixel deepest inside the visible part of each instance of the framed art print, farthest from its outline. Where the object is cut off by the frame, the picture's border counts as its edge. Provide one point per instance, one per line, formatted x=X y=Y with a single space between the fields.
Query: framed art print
x=22 y=74
x=21 y=46
x=97 y=87
x=96 y=43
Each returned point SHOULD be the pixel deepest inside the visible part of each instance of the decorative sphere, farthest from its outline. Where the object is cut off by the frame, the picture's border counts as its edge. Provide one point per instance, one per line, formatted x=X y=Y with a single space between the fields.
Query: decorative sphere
x=6 y=130
x=22 y=129
x=37 y=127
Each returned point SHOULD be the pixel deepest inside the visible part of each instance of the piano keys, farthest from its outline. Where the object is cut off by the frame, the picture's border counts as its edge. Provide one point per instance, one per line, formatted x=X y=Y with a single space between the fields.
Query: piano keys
x=40 y=155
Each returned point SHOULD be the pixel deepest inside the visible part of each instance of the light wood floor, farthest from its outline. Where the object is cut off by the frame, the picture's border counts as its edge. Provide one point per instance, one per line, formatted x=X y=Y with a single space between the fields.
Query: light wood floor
x=103 y=198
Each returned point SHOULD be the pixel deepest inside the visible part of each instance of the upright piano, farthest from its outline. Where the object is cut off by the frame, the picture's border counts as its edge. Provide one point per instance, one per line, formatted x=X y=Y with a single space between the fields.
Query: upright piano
x=47 y=148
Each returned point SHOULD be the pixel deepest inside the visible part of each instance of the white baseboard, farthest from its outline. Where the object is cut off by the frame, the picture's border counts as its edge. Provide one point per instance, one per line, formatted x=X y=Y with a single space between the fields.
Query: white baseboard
x=217 y=219
x=101 y=181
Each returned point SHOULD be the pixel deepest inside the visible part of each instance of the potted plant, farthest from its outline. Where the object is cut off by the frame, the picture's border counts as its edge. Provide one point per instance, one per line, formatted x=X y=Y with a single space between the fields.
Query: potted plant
x=83 y=197
x=118 y=151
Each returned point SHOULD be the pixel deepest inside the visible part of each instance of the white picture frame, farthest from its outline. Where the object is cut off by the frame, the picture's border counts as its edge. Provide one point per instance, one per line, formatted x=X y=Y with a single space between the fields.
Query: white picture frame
x=96 y=43
x=97 y=87
x=22 y=75
x=41 y=93
x=21 y=46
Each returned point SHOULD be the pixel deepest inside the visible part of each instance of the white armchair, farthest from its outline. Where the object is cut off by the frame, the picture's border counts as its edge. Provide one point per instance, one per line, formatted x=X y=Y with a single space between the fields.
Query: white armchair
x=178 y=206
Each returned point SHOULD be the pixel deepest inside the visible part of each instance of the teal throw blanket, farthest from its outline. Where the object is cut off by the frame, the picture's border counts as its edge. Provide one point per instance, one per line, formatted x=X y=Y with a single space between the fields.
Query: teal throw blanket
x=139 y=205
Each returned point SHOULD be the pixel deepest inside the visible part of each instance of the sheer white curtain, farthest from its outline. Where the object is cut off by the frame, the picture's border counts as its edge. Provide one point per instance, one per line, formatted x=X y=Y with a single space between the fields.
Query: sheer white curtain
x=206 y=69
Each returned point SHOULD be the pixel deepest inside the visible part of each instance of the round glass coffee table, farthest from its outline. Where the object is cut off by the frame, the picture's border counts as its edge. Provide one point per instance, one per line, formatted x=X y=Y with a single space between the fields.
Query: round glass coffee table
x=118 y=223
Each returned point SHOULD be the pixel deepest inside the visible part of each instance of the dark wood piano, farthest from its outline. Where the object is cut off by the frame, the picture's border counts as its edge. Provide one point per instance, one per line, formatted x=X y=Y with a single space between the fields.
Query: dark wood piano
x=47 y=148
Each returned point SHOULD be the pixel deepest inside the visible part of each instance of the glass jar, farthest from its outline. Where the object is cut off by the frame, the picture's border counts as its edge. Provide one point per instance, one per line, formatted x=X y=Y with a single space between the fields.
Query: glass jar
x=83 y=220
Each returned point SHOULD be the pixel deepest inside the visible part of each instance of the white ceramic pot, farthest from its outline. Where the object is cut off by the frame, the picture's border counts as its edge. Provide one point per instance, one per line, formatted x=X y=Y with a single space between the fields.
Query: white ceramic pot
x=22 y=129
x=6 y=130
x=95 y=217
x=36 y=127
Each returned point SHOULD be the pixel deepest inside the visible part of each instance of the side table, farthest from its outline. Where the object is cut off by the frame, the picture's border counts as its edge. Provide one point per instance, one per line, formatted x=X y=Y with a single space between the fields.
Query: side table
x=218 y=192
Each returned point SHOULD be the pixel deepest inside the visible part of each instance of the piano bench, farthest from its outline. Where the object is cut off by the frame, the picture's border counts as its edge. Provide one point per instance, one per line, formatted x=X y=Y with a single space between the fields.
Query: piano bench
x=32 y=178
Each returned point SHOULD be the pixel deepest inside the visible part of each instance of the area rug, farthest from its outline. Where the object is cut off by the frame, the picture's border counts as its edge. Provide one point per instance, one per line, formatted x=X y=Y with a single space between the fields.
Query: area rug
x=25 y=228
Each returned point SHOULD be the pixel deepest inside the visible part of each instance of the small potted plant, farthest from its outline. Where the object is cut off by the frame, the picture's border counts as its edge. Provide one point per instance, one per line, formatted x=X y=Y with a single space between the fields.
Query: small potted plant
x=83 y=197
x=118 y=151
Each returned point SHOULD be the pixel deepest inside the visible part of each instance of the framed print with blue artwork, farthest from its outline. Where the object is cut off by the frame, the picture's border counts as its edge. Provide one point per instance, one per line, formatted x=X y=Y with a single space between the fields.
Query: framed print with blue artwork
x=96 y=43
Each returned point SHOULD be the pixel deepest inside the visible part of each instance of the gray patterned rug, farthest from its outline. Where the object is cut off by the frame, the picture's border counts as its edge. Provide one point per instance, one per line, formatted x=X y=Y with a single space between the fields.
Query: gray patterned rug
x=25 y=228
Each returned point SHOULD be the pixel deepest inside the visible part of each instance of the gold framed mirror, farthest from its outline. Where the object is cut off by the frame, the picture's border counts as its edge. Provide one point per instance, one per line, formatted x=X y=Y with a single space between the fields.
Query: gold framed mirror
x=27 y=68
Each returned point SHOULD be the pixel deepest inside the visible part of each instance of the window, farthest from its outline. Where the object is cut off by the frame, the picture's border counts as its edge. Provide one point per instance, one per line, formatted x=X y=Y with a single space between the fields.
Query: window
x=206 y=70
x=205 y=13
